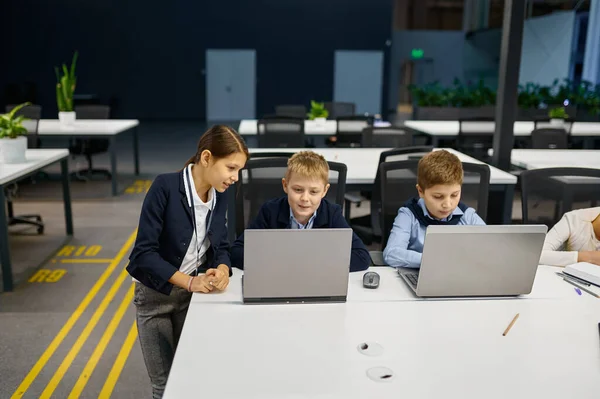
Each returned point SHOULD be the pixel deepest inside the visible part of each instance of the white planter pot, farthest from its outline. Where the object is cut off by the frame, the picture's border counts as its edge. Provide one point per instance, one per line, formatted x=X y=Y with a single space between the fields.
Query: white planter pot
x=557 y=122
x=13 y=150
x=66 y=118
x=321 y=121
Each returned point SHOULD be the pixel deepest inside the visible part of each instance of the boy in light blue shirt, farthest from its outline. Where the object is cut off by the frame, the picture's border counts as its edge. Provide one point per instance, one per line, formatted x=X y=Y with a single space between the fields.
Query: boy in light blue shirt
x=439 y=181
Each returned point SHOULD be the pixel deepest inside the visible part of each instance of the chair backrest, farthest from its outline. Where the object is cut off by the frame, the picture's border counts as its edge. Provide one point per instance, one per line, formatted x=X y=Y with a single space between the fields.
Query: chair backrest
x=339 y=109
x=284 y=132
x=260 y=181
x=92 y=111
x=548 y=193
x=294 y=111
x=349 y=128
x=549 y=138
x=32 y=114
x=386 y=137
x=398 y=180
x=396 y=154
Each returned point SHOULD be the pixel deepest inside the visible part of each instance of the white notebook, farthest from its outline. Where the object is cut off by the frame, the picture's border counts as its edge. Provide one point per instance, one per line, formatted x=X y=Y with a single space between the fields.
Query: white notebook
x=585 y=271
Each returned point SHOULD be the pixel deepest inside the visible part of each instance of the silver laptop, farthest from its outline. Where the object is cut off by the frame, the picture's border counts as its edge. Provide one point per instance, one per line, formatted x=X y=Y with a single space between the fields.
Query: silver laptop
x=291 y=266
x=461 y=261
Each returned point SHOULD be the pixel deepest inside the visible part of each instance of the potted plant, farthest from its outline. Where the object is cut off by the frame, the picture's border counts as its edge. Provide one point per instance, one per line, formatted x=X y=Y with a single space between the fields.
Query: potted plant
x=13 y=140
x=318 y=113
x=558 y=116
x=65 y=88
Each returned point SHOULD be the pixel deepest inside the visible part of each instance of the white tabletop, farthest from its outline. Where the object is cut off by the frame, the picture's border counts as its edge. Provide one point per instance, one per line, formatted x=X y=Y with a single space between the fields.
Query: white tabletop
x=86 y=127
x=442 y=349
x=248 y=127
x=537 y=159
x=392 y=288
x=36 y=159
x=362 y=163
x=521 y=128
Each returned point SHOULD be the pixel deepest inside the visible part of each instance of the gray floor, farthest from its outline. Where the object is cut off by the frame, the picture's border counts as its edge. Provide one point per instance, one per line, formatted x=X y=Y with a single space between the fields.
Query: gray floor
x=37 y=313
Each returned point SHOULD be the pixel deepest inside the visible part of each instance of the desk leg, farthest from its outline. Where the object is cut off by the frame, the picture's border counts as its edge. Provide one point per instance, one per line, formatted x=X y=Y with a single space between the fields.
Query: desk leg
x=136 y=153
x=64 y=168
x=4 y=249
x=113 y=165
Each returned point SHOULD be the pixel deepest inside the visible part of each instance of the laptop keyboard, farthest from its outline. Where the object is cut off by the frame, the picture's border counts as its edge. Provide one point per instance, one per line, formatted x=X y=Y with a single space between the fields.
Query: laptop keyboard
x=412 y=278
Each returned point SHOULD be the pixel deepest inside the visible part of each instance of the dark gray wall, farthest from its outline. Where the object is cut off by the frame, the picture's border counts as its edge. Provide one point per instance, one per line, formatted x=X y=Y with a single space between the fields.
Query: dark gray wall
x=149 y=55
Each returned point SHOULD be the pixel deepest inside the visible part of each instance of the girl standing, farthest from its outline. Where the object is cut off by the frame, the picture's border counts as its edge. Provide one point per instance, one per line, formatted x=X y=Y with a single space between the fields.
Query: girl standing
x=181 y=245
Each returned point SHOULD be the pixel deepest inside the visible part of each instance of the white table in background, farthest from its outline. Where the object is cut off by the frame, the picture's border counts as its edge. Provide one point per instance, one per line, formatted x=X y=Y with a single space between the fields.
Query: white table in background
x=362 y=166
x=538 y=159
x=97 y=128
x=10 y=173
x=433 y=348
x=248 y=127
x=449 y=129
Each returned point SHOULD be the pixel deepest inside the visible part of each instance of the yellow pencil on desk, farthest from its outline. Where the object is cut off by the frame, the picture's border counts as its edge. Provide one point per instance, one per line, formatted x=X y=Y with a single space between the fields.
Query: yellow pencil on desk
x=510 y=325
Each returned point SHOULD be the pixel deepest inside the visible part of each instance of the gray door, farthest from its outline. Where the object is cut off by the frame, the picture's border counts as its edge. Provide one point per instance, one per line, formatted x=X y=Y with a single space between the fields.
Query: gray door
x=358 y=76
x=230 y=85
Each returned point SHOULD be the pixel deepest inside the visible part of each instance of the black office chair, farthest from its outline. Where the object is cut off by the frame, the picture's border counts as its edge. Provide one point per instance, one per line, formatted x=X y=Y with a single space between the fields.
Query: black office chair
x=386 y=137
x=548 y=193
x=471 y=139
x=33 y=114
x=260 y=181
x=280 y=133
x=294 y=111
x=340 y=109
x=549 y=138
x=90 y=147
x=398 y=181
x=349 y=130
x=368 y=227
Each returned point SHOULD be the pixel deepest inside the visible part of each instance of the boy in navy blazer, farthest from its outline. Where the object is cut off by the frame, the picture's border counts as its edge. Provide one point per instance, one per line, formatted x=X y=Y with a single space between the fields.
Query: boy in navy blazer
x=304 y=207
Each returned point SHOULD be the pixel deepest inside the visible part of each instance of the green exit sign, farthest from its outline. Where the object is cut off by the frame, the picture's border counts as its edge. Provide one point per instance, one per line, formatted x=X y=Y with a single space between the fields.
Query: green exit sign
x=417 y=53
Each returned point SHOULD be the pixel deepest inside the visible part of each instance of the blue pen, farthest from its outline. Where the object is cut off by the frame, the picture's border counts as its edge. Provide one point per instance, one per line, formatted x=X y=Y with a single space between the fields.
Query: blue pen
x=577 y=290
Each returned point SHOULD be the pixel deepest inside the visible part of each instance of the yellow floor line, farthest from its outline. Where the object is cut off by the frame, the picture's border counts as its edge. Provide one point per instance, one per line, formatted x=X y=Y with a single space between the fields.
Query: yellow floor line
x=39 y=365
x=117 y=368
x=102 y=344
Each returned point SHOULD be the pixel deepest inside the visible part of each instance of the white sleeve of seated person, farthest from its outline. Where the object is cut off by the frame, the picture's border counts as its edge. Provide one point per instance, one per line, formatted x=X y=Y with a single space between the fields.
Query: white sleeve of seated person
x=396 y=252
x=557 y=237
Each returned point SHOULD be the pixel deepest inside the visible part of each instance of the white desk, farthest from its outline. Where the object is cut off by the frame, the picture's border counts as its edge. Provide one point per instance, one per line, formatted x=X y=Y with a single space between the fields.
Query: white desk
x=9 y=173
x=449 y=129
x=434 y=349
x=362 y=163
x=538 y=159
x=248 y=127
x=392 y=288
x=97 y=128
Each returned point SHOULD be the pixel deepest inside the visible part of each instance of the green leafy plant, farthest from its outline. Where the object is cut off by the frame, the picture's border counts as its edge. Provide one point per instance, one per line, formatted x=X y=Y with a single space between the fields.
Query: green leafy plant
x=458 y=95
x=317 y=110
x=65 y=85
x=11 y=126
x=558 y=113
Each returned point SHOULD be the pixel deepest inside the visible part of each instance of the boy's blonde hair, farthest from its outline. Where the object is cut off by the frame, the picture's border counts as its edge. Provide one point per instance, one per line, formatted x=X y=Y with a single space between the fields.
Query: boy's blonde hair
x=439 y=167
x=308 y=164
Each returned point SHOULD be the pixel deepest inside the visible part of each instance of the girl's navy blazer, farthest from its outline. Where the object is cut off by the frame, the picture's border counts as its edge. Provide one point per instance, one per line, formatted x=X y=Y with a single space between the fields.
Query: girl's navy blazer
x=165 y=232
